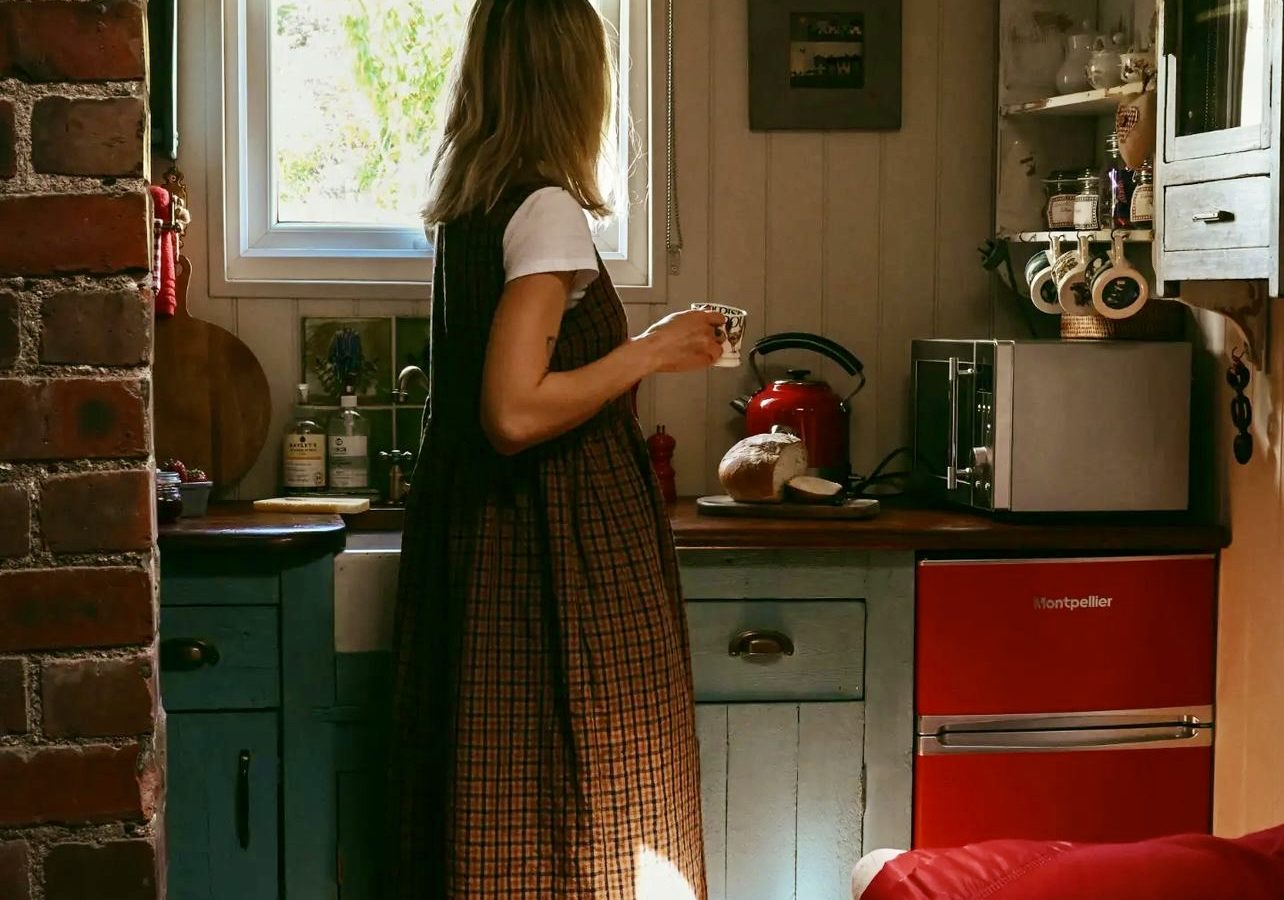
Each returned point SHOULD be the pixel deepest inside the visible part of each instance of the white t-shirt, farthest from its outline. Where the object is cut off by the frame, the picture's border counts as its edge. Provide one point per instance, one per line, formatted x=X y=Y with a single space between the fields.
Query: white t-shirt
x=550 y=233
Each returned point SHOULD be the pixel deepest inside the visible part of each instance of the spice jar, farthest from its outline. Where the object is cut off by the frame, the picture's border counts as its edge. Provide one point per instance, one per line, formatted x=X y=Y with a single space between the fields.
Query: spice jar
x=1141 y=211
x=169 y=497
x=1116 y=186
x=1061 y=188
x=1087 y=203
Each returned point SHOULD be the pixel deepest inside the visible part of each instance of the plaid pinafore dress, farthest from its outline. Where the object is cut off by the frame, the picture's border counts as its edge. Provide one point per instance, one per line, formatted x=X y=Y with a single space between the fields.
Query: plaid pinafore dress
x=545 y=733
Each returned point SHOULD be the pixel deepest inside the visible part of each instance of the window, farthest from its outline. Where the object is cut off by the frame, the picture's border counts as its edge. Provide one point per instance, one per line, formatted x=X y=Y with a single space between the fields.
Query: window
x=328 y=110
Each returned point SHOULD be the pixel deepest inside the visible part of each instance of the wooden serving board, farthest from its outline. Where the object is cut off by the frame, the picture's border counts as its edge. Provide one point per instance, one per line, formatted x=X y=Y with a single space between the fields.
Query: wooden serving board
x=344 y=506
x=213 y=407
x=849 y=509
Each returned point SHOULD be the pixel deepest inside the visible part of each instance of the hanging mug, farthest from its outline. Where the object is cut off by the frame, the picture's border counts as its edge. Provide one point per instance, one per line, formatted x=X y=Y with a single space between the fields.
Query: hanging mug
x=1070 y=271
x=1118 y=289
x=1038 y=276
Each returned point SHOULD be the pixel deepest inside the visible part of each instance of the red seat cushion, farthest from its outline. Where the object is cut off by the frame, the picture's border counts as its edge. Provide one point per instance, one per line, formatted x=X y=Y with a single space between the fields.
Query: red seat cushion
x=1181 y=867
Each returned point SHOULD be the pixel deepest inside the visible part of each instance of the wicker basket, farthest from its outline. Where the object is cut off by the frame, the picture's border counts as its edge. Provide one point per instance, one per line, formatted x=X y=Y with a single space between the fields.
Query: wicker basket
x=1158 y=320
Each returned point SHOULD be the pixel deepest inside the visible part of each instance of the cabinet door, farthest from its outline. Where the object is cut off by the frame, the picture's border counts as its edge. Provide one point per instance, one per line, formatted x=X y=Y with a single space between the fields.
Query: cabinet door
x=783 y=798
x=222 y=808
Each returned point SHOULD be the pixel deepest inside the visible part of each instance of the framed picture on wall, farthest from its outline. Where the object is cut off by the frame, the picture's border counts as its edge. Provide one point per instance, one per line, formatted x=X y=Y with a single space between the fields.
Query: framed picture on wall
x=824 y=64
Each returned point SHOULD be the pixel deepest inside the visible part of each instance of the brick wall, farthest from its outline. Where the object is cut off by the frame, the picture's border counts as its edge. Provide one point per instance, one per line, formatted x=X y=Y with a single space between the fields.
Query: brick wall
x=81 y=754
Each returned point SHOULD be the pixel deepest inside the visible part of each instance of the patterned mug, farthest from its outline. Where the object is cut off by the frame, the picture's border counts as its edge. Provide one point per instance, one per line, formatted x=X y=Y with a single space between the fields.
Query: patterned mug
x=732 y=335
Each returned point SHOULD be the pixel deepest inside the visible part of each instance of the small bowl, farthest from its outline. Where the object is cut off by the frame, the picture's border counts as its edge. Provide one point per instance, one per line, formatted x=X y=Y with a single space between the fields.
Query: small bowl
x=196 y=497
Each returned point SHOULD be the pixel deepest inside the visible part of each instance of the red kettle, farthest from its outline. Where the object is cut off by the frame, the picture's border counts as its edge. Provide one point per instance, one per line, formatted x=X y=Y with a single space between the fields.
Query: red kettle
x=811 y=409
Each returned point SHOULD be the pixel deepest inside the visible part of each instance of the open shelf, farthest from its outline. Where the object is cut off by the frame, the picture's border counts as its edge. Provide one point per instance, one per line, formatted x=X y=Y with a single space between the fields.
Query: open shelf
x=1099 y=102
x=1102 y=236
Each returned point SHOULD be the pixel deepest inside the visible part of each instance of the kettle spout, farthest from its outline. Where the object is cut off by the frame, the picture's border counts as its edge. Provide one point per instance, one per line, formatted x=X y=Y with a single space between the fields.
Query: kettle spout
x=741 y=404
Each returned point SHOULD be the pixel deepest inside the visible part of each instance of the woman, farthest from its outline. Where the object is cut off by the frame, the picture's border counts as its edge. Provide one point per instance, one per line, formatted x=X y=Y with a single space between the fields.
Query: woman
x=545 y=741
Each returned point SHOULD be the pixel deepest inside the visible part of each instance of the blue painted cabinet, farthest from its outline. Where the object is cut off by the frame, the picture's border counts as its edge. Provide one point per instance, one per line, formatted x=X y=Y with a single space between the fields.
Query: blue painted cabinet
x=248 y=684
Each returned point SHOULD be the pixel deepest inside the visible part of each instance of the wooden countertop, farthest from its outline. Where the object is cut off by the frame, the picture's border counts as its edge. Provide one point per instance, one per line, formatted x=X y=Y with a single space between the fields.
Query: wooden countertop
x=900 y=527
x=903 y=527
x=236 y=526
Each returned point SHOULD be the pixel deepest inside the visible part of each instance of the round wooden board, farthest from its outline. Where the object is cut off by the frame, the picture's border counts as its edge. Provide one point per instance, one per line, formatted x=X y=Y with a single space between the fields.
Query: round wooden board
x=725 y=506
x=211 y=397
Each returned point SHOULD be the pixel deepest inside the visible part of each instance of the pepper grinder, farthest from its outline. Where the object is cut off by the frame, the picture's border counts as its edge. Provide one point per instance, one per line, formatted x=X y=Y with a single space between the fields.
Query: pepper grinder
x=661 y=445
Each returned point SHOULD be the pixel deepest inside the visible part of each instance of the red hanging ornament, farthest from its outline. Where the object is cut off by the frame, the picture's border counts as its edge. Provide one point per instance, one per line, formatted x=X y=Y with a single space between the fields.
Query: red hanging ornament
x=661 y=446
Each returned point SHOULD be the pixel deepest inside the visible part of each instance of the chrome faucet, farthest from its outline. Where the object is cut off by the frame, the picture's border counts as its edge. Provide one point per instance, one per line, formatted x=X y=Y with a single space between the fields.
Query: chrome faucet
x=399 y=460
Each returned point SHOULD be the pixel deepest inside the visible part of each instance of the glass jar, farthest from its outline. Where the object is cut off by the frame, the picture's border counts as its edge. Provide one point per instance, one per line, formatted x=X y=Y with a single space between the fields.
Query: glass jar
x=1060 y=188
x=1141 y=211
x=1116 y=187
x=1087 y=203
x=169 y=497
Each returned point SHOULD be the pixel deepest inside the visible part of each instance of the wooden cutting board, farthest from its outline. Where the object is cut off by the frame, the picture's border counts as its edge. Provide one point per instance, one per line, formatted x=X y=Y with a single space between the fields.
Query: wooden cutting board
x=212 y=402
x=725 y=506
x=344 y=506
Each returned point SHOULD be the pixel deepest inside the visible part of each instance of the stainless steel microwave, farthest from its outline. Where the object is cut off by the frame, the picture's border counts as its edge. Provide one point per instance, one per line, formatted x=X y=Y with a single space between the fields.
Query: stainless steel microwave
x=1053 y=426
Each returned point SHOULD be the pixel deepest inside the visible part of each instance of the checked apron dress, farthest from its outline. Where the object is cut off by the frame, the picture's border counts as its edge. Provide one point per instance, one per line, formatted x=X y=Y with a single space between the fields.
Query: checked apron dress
x=544 y=727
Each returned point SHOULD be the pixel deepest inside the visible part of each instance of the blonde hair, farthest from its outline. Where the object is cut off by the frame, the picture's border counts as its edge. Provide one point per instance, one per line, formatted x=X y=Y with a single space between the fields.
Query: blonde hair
x=528 y=101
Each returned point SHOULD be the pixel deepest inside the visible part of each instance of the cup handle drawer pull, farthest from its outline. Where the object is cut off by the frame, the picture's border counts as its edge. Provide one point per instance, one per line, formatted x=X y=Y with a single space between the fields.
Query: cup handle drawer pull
x=761 y=645
x=243 y=799
x=187 y=654
x=1212 y=218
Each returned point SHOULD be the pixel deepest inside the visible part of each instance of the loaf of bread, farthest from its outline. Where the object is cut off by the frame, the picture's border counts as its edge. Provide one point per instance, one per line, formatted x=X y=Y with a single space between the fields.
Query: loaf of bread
x=757 y=469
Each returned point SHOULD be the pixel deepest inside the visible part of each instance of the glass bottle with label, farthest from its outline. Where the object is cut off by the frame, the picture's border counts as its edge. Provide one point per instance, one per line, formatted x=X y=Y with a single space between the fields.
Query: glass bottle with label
x=303 y=451
x=1116 y=187
x=348 y=447
x=1142 y=209
x=1087 y=203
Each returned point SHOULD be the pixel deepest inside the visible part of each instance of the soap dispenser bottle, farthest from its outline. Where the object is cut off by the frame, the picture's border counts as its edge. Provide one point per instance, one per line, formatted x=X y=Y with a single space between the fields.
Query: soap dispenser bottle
x=303 y=451
x=348 y=447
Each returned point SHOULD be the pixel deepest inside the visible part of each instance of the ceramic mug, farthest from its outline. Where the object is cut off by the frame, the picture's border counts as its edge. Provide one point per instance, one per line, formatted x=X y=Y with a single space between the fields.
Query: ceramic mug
x=732 y=335
x=1136 y=65
x=1038 y=276
x=1070 y=271
x=1118 y=289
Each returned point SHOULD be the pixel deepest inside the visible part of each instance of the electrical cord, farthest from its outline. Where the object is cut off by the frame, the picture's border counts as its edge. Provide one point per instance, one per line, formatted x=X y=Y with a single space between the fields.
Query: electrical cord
x=859 y=485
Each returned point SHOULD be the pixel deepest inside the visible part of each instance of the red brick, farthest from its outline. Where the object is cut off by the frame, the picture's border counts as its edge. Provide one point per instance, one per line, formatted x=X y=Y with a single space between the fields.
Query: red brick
x=15 y=520
x=55 y=609
x=70 y=784
x=121 y=870
x=10 y=328
x=8 y=141
x=97 y=697
x=15 y=870
x=88 y=137
x=99 y=328
x=72 y=418
x=97 y=512
x=65 y=233
x=13 y=697
x=59 y=41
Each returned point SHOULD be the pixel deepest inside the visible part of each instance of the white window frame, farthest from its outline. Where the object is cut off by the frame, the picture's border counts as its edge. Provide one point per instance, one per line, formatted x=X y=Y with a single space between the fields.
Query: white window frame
x=254 y=256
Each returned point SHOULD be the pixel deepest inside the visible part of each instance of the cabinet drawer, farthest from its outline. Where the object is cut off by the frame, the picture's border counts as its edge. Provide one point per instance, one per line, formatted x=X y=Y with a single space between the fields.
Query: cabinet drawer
x=1218 y=215
x=219 y=657
x=827 y=662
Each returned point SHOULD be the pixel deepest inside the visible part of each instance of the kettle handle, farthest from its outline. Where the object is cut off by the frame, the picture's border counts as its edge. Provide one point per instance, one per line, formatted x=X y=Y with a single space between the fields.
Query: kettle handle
x=801 y=340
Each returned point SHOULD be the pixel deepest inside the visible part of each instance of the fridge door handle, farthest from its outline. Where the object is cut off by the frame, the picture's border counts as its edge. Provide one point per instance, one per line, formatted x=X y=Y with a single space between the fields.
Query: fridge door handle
x=1109 y=718
x=1064 y=741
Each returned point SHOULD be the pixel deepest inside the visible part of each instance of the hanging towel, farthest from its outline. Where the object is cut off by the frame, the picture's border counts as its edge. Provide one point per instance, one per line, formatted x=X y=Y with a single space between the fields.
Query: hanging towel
x=166 y=255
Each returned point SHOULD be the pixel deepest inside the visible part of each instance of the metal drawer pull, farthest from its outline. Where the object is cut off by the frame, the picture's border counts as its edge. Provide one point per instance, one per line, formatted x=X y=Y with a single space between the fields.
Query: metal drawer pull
x=761 y=645
x=187 y=654
x=243 y=799
x=1212 y=218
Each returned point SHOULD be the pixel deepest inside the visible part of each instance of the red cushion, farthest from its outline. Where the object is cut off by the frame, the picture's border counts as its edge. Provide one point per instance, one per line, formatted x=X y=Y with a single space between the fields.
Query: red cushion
x=1182 y=867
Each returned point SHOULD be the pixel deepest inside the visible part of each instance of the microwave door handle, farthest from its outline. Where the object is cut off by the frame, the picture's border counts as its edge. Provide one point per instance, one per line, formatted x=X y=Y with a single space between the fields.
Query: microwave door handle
x=952 y=470
x=1143 y=738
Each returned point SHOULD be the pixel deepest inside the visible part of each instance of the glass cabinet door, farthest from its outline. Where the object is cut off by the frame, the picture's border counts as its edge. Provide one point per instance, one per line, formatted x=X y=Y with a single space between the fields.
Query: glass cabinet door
x=1217 y=55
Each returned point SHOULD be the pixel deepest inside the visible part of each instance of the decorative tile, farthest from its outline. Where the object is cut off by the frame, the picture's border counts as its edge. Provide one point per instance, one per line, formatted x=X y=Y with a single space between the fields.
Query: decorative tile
x=348 y=352
x=413 y=336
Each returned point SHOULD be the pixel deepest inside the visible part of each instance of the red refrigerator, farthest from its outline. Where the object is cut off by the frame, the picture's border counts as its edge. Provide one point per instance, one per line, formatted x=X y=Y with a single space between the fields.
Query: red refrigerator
x=1063 y=699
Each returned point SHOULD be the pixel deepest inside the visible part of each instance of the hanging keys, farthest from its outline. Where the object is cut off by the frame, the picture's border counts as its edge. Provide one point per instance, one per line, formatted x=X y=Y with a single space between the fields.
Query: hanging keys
x=1237 y=377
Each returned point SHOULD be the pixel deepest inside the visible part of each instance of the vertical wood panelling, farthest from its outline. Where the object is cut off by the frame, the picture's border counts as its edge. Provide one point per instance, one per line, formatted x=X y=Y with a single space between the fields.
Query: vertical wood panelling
x=738 y=257
x=868 y=238
x=907 y=282
x=711 y=731
x=831 y=796
x=762 y=796
x=274 y=338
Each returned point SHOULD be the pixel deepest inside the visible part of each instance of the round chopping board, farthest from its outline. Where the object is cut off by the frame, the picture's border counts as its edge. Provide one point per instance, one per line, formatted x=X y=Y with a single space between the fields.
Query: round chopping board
x=861 y=508
x=212 y=403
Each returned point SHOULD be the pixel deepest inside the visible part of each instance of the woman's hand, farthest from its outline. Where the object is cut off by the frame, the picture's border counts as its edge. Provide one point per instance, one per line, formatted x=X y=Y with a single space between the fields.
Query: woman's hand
x=685 y=341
